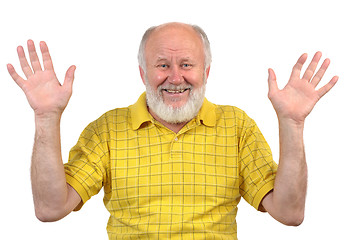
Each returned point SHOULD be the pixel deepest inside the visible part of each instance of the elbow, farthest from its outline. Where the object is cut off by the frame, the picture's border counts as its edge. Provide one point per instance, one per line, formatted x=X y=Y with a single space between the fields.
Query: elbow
x=293 y=220
x=47 y=215
x=294 y=223
x=43 y=218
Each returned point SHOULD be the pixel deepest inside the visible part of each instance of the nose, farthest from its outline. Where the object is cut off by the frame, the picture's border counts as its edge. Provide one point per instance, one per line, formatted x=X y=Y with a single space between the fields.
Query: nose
x=175 y=75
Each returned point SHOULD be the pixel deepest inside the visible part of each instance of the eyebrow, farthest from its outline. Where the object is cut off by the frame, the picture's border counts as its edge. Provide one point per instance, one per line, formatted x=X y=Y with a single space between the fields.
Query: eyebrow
x=159 y=59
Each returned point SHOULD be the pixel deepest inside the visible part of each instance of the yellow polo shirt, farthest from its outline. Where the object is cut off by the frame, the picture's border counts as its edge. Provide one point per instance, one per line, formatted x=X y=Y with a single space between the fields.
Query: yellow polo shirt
x=164 y=185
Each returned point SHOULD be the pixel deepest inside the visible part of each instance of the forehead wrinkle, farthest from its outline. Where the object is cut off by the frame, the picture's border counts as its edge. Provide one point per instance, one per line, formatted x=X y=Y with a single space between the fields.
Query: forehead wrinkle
x=167 y=53
x=172 y=51
x=162 y=57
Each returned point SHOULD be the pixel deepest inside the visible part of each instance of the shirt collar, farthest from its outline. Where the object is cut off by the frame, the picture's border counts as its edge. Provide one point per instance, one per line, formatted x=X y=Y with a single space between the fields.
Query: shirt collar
x=140 y=114
x=207 y=114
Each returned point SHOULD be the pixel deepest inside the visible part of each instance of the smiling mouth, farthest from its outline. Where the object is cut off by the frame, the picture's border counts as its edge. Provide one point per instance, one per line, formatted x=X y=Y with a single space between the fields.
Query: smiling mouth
x=176 y=91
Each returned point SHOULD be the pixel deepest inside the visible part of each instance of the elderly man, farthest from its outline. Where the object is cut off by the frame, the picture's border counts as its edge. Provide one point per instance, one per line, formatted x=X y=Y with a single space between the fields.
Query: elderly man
x=173 y=165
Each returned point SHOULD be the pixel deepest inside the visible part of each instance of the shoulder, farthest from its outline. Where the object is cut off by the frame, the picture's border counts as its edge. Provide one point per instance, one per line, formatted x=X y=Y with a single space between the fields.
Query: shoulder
x=231 y=117
x=110 y=120
x=114 y=116
x=231 y=113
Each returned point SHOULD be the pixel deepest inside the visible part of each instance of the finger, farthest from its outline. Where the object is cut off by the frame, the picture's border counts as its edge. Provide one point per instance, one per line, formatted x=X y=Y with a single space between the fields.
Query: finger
x=317 y=78
x=312 y=67
x=296 y=71
x=48 y=63
x=272 y=82
x=69 y=78
x=34 y=60
x=322 y=91
x=18 y=80
x=24 y=62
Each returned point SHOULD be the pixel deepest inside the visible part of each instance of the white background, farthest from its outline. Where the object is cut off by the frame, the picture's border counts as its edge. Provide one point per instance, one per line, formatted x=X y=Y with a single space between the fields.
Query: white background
x=247 y=37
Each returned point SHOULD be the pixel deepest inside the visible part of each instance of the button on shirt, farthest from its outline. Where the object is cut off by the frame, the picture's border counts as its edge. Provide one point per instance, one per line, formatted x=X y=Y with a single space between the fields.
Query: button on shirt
x=165 y=185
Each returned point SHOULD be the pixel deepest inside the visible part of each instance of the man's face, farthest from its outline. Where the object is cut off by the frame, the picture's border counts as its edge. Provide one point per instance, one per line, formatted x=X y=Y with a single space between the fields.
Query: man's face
x=175 y=64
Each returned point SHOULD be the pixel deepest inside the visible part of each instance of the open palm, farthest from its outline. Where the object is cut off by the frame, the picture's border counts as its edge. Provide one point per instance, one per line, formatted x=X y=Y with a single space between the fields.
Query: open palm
x=44 y=92
x=297 y=99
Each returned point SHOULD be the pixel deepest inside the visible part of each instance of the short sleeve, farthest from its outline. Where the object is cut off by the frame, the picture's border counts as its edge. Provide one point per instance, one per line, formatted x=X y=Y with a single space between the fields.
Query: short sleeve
x=86 y=168
x=257 y=168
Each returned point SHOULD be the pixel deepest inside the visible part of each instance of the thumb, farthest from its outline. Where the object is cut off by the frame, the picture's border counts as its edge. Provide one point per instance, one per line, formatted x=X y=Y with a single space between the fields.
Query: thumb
x=272 y=82
x=69 y=77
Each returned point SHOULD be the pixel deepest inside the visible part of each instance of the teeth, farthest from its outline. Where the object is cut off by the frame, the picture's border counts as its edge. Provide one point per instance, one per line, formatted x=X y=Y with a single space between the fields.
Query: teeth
x=175 y=91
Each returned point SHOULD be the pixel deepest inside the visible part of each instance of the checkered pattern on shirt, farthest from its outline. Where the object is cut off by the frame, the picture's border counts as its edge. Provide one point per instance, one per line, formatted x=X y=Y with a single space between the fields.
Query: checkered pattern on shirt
x=163 y=185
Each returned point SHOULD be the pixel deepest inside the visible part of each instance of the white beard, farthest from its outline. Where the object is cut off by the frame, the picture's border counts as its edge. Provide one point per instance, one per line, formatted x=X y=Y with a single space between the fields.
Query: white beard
x=175 y=115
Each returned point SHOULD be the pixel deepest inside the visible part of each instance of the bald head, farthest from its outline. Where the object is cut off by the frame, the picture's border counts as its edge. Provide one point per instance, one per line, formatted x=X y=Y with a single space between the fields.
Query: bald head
x=175 y=32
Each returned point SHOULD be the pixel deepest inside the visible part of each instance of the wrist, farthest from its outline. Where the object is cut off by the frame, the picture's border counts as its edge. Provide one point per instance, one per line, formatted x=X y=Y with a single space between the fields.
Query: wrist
x=291 y=130
x=47 y=120
x=291 y=123
x=291 y=139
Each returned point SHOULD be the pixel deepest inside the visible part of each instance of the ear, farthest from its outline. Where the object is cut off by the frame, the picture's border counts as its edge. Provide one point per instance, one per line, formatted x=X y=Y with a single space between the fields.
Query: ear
x=207 y=73
x=142 y=74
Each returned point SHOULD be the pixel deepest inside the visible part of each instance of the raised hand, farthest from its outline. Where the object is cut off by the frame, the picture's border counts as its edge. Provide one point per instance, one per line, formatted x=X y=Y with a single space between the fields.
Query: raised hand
x=293 y=104
x=44 y=92
x=297 y=99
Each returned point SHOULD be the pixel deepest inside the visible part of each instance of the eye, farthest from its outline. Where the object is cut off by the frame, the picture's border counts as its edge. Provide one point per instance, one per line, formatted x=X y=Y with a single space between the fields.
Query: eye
x=162 y=66
x=186 y=65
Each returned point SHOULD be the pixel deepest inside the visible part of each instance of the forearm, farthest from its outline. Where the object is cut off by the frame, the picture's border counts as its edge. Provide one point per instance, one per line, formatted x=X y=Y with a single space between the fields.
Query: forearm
x=291 y=181
x=47 y=171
